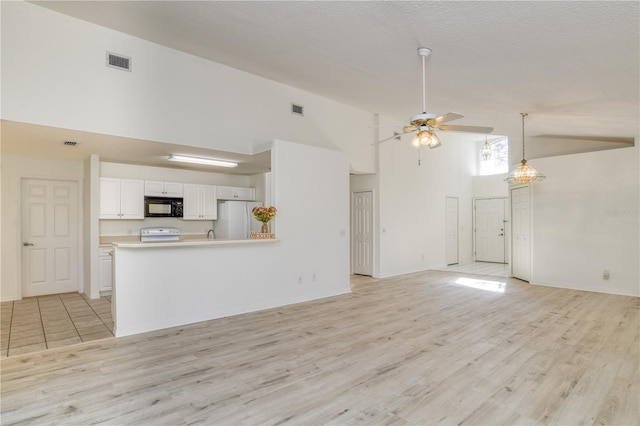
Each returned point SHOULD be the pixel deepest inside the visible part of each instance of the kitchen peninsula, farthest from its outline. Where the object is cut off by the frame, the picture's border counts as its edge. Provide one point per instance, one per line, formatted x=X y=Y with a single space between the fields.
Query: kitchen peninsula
x=171 y=283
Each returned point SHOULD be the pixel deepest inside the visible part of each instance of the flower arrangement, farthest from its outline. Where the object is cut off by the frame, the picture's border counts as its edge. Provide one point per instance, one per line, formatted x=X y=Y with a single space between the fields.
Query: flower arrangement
x=264 y=214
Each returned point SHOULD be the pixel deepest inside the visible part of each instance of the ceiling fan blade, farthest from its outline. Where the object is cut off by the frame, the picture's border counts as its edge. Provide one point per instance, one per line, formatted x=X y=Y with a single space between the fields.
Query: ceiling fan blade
x=409 y=129
x=396 y=135
x=470 y=129
x=450 y=116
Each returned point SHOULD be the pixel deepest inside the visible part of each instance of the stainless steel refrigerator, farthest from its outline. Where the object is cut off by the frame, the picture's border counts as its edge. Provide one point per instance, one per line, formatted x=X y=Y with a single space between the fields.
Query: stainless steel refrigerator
x=235 y=220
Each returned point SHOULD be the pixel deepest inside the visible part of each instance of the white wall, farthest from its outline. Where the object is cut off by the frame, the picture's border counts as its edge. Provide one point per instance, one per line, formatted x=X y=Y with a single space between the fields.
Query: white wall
x=412 y=202
x=585 y=220
x=311 y=193
x=14 y=168
x=54 y=74
x=492 y=186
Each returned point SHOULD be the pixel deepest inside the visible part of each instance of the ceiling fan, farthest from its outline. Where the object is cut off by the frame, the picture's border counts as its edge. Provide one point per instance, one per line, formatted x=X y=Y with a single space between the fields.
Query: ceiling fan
x=426 y=123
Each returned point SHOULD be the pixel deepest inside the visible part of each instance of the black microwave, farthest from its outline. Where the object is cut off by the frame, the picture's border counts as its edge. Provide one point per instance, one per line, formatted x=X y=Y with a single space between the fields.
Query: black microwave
x=162 y=207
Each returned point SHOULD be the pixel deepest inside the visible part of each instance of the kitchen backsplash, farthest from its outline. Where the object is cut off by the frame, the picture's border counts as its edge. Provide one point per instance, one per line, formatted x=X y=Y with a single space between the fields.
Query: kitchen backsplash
x=132 y=227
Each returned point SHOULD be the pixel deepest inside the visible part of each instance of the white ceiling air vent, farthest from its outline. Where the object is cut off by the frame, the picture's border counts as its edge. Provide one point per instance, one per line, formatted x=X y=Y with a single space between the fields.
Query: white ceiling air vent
x=120 y=62
x=297 y=109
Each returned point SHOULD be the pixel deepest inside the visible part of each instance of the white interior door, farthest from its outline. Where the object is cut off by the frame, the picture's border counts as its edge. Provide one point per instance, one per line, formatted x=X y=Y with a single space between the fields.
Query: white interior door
x=362 y=249
x=520 y=234
x=49 y=216
x=452 y=231
x=490 y=230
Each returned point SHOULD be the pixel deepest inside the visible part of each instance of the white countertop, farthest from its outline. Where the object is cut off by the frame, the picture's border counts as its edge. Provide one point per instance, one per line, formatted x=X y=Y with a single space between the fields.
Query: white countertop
x=194 y=243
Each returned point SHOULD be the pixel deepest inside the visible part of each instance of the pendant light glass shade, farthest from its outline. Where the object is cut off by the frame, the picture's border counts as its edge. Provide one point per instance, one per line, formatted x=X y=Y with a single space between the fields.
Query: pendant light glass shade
x=524 y=173
x=486 y=150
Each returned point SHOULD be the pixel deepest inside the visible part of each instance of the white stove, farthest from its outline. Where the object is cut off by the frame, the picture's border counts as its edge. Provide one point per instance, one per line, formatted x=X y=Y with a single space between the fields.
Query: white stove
x=159 y=234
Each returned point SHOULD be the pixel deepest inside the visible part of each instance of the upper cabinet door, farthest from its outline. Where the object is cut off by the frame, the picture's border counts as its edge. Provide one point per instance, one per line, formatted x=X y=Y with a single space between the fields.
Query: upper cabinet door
x=121 y=198
x=153 y=188
x=237 y=193
x=191 y=204
x=225 y=193
x=209 y=202
x=131 y=199
x=109 y=198
x=163 y=189
x=245 y=194
x=173 y=189
x=200 y=202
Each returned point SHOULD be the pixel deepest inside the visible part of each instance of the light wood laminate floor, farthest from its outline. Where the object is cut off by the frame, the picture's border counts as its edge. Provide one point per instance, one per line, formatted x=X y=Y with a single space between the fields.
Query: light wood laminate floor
x=424 y=348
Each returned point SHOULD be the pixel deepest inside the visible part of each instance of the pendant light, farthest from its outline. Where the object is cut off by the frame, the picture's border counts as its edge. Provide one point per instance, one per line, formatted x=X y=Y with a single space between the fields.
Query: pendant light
x=486 y=149
x=524 y=173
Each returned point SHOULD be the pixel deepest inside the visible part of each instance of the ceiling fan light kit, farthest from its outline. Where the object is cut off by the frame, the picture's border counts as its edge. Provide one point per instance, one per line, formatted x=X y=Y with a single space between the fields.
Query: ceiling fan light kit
x=524 y=173
x=426 y=137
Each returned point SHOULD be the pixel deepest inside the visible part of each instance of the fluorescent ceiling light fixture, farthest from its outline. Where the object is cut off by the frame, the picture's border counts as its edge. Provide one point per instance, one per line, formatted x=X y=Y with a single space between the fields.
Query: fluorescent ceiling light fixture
x=202 y=160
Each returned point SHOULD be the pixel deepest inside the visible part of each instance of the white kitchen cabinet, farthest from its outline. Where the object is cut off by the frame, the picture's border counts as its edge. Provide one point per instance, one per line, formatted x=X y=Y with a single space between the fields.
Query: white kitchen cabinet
x=154 y=188
x=105 y=271
x=121 y=198
x=200 y=202
x=237 y=193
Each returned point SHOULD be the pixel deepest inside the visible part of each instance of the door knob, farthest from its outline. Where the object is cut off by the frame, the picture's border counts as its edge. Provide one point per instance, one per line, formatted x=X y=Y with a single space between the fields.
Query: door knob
x=27 y=244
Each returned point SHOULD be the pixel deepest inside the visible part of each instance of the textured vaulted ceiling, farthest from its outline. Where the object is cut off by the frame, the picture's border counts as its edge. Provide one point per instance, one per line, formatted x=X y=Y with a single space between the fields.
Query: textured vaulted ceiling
x=573 y=66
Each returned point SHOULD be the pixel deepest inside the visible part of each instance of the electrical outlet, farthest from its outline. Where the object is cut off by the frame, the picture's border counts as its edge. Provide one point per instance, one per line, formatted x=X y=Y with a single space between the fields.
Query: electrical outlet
x=300 y=279
x=605 y=274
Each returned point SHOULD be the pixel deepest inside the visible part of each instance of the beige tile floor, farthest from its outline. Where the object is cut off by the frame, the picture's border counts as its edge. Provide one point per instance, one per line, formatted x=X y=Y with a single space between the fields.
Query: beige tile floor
x=45 y=322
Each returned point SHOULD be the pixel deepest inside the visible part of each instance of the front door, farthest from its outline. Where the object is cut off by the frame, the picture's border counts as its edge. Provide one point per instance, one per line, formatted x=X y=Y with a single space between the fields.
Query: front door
x=362 y=251
x=49 y=216
x=490 y=230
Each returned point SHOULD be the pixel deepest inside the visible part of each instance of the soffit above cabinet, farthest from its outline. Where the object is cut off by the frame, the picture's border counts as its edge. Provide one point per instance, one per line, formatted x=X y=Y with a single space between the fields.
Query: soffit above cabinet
x=44 y=141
